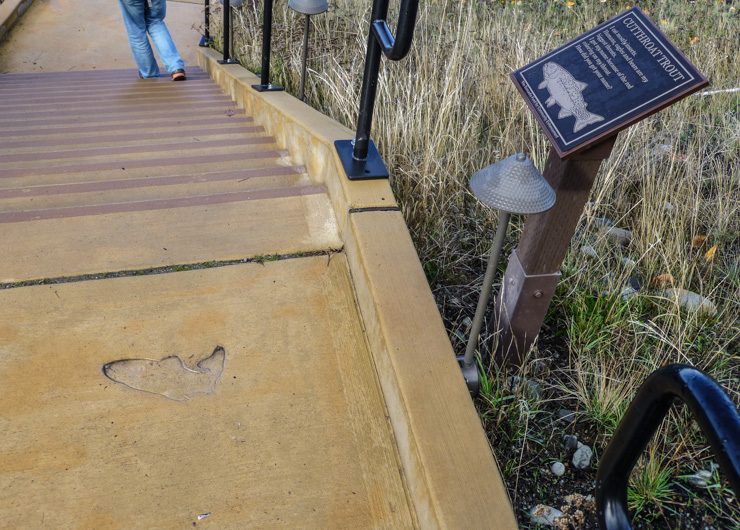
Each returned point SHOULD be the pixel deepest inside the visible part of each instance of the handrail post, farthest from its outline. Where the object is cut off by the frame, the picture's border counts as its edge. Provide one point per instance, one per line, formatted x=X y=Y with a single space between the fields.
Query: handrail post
x=265 y=85
x=227 y=59
x=206 y=40
x=360 y=157
x=710 y=406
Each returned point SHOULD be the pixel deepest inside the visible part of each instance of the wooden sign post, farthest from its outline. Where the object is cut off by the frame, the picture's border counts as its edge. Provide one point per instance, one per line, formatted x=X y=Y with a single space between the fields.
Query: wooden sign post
x=582 y=94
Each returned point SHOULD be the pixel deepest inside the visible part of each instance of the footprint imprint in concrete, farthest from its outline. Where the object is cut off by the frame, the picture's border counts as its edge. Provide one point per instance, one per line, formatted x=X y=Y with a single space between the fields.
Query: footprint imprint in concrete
x=169 y=377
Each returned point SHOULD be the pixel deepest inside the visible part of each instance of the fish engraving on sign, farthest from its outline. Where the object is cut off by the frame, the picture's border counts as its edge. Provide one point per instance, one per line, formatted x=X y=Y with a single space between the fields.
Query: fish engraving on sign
x=567 y=91
x=169 y=377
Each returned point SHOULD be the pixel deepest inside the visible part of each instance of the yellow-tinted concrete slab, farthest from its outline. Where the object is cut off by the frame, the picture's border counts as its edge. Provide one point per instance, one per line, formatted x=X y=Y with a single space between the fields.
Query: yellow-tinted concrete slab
x=61 y=35
x=98 y=243
x=290 y=432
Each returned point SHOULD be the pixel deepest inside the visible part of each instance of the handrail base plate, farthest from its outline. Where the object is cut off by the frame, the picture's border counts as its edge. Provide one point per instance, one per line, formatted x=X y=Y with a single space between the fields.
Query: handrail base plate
x=372 y=168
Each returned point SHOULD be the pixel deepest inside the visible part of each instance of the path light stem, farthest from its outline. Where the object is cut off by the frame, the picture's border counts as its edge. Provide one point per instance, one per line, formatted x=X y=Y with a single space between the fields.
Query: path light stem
x=480 y=311
x=302 y=90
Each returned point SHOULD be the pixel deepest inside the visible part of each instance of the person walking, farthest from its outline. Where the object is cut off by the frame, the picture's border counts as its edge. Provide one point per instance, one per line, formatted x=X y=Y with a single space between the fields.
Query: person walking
x=147 y=16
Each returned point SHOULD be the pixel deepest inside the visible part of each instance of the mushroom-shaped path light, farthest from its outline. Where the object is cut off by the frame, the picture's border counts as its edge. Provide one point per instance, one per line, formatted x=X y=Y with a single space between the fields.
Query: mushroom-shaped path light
x=512 y=186
x=308 y=8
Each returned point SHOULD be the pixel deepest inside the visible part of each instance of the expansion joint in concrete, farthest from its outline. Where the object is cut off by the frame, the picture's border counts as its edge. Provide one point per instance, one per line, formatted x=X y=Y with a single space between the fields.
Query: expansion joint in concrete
x=261 y=259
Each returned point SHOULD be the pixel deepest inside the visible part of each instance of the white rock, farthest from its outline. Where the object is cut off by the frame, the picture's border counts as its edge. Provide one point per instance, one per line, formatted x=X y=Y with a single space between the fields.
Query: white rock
x=590 y=251
x=620 y=236
x=545 y=515
x=627 y=292
x=700 y=479
x=582 y=456
x=603 y=222
x=668 y=207
x=558 y=469
x=691 y=301
x=628 y=263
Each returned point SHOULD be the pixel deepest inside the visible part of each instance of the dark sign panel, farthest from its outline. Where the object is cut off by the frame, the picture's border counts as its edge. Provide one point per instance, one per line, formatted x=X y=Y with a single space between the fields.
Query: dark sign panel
x=605 y=80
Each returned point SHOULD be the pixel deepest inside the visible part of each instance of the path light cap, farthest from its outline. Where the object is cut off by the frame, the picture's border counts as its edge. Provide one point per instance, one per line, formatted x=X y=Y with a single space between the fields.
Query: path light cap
x=309 y=7
x=513 y=185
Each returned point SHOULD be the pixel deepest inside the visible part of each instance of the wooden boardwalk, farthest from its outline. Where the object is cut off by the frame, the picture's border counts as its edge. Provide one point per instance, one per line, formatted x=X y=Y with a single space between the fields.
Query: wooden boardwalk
x=203 y=323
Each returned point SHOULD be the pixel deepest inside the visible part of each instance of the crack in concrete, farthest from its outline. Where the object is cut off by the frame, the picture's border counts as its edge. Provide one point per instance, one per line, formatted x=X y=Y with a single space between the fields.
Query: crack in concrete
x=167 y=269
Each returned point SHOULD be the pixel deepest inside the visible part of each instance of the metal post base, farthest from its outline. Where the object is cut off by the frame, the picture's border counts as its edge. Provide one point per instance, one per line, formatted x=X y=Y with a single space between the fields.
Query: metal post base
x=205 y=42
x=471 y=376
x=520 y=309
x=268 y=88
x=230 y=60
x=371 y=168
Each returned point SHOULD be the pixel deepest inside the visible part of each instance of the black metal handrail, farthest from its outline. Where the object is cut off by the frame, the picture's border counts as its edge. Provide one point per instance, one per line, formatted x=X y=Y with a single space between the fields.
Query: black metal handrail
x=711 y=407
x=206 y=40
x=227 y=58
x=265 y=85
x=360 y=157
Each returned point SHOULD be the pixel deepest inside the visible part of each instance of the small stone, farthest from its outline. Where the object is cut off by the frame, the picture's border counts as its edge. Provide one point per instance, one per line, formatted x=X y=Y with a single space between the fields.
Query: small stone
x=635 y=283
x=571 y=442
x=628 y=263
x=558 y=469
x=582 y=456
x=700 y=479
x=545 y=515
x=627 y=292
x=691 y=301
x=539 y=367
x=668 y=207
x=589 y=251
x=603 y=222
x=566 y=415
x=663 y=149
x=620 y=236
x=529 y=388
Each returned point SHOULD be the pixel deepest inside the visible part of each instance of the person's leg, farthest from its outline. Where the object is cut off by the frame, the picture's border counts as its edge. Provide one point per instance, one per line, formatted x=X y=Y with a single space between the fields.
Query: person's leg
x=161 y=36
x=135 y=21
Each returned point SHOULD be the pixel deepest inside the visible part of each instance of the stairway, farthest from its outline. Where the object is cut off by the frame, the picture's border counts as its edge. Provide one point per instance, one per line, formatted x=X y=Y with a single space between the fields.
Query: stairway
x=101 y=171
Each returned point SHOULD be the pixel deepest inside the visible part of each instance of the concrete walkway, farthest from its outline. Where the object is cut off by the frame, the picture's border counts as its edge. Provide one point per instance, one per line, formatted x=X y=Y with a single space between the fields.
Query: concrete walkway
x=62 y=35
x=202 y=321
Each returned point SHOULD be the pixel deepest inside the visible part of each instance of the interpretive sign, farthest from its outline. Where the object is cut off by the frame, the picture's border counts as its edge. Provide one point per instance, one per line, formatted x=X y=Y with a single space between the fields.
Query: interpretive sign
x=605 y=80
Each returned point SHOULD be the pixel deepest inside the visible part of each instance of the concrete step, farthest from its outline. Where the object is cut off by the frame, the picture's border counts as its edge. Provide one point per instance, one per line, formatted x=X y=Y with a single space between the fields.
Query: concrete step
x=115 y=192
x=92 y=152
x=140 y=156
x=114 y=136
x=203 y=163
x=158 y=234
x=154 y=121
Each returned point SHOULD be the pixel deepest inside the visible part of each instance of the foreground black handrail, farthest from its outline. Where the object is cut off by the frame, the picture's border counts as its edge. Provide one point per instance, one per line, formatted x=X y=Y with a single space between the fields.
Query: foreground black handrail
x=360 y=157
x=711 y=407
x=206 y=40
x=227 y=58
x=265 y=85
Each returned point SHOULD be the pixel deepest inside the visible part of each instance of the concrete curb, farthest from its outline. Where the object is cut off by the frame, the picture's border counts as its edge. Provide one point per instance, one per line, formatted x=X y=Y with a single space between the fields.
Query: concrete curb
x=10 y=12
x=452 y=478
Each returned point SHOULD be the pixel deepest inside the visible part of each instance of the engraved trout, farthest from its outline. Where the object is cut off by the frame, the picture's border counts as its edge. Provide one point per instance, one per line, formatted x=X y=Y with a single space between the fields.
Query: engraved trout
x=566 y=91
x=169 y=377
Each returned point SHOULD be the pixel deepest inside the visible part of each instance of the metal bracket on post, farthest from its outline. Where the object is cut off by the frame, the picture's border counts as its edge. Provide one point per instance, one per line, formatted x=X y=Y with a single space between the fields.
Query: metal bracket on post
x=265 y=85
x=470 y=374
x=206 y=40
x=360 y=157
x=227 y=59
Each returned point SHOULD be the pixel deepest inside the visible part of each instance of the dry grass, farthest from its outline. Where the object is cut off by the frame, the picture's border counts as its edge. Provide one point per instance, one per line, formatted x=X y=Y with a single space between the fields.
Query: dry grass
x=449 y=109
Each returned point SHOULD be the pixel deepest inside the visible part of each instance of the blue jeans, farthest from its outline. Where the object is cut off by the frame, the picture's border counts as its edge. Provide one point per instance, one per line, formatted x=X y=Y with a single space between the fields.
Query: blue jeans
x=147 y=16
